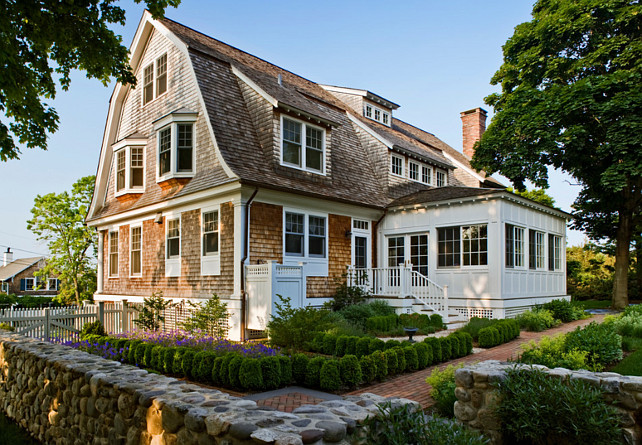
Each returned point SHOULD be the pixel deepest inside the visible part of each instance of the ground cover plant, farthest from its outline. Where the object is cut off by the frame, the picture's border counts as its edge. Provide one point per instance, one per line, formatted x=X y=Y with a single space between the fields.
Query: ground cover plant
x=443 y=389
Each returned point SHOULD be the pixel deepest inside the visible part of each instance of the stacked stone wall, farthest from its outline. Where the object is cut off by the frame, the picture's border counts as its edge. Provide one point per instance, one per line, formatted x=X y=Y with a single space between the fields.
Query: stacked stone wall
x=477 y=396
x=65 y=396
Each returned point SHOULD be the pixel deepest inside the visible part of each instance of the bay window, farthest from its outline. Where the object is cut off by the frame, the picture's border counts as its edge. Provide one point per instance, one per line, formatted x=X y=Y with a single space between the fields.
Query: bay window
x=175 y=145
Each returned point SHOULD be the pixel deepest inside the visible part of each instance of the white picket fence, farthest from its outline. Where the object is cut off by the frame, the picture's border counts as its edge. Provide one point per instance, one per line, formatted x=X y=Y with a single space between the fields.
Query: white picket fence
x=65 y=323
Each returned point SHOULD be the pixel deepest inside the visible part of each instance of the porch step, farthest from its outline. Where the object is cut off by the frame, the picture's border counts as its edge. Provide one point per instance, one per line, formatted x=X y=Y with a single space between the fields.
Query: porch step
x=454 y=320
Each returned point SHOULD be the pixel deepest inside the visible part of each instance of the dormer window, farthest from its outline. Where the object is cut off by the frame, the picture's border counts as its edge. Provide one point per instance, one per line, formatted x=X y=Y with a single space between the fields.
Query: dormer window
x=155 y=79
x=376 y=114
x=175 y=145
x=302 y=145
x=441 y=178
x=130 y=165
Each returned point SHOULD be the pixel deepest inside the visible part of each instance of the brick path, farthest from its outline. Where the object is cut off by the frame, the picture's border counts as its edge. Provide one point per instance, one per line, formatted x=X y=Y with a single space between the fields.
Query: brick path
x=414 y=387
x=288 y=402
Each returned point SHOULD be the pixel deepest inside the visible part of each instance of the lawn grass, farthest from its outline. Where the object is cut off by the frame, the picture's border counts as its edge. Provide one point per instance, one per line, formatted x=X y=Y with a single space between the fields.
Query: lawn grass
x=12 y=434
x=631 y=365
x=593 y=304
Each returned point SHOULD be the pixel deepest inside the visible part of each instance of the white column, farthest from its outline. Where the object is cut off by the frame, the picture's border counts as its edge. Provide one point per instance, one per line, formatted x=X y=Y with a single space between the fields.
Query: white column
x=99 y=272
x=239 y=243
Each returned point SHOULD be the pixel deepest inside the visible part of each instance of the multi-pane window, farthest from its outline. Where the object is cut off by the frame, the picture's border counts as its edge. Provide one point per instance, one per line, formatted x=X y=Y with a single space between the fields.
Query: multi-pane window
x=426 y=174
x=176 y=149
x=184 y=148
x=30 y=283
x=293 y=154
x=448 y=247
x=369 y=111
x=136 y=260
x=360 y=224
x=360 y=252
x=397 y=165
x=475 y=245
x=377 y=114
x=158 y=70
x=386 y=118
x=419 y=253
x=113 y=254
x=535 y=250
x=173 y=238
x=210 y=233
x=554 y=252
x=120 y=170
x=136 y=167
x=294 y=234
x=165 y=151
x=316 y=233
x=514 y=246
x=52 y=284
x=396 y=250
x=441 y=178
x=413 y=171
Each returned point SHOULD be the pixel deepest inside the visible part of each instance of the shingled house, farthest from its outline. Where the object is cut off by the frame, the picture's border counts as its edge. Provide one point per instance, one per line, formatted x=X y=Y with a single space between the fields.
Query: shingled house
x=17 y=277
x=222 y=173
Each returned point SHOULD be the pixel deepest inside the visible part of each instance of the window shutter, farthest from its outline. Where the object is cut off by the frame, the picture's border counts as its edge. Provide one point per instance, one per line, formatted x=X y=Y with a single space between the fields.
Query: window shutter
x=23 y=284
x=57 y=284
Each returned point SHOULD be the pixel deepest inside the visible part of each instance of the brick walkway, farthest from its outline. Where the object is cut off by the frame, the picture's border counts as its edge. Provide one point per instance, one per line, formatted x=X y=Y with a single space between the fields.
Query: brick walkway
x=288 y=402
x=414 y=387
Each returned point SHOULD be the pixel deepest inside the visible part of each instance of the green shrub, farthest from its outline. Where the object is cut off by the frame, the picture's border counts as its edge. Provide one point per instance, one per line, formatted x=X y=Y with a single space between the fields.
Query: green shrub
x=390 y=355
x=368 y=368
x=186 y=364
x=224 y=370
x=535 y=408
x=345 y=296
x=454 y=345
x=168 y=359
x=392 y=344
x=424 y=355
x=147 y=359
x=362 y=347
x=313 y=372
x=286 y=370
x=404 y=424
x=316 y=344
x=250 y=374
x=92 y=328
x=435 y=345
x=329 y=344
x=536 y=320
x=488 y=337
x=446 y=348
x=381 y=364
x=271 y=369
x=381 y=307
x=139 y=354
x=551 y=352
x=475 y=324
x=401 y=359
x=602 y=343
x=196 y=365
x=357 y=314
x=382 y=324
x=376 y=344
x=210 y=316
x=412 y=361
x=299 y=368
x=465 y=342
x=329 y=376
x=443 y=389
x=351 y=373
x=233 y=370
x=177 y=364
x=156 y=360
x=563 y=310
x=216 y=371
x=204 y=371
x=340 y=347
x=351 y=345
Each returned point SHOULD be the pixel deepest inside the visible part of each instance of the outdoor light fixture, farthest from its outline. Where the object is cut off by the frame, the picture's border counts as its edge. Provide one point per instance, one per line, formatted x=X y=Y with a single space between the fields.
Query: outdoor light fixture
x=159 y=218
x=348 y=233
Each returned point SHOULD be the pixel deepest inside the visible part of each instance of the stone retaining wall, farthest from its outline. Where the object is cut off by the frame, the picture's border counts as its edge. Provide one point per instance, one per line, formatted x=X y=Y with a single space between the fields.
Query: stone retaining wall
x=476 y=396
x=65 y=396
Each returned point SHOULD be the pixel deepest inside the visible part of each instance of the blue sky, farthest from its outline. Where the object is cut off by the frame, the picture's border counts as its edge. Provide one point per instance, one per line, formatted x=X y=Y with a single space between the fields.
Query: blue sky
x=434 y=58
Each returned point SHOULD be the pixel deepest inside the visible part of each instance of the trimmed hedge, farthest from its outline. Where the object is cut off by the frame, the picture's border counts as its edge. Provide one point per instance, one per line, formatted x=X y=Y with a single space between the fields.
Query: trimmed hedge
x=446 y=349
x=313 y=372
x=271 y=368
x=168 y=359
x=329 y=375
x=390 y=355
x=299 y=368
x=412 y=361
x=424 y=355
x=233 y=370
x=362 y=346
x=250 y=374
x=382 y=323
x=499 y=332
x=286 y=370
x=351 y=373
x=368 y=369
x=381 y=365
x=435 y=345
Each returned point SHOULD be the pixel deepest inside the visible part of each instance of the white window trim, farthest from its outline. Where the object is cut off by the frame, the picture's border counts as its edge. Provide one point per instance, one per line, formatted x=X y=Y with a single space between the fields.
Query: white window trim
x=127 y=145
x=445 y=178
x=524 y=254
x=173 y=265
x=363 y=233
x=32 y=286
x=403 y=165
x=556 y=267
x=211 y=264
x=544 y=265
x=5 y=287
x=303 y=147
x=172 y=121
x=381 y=111
x=131 y=229
x=407 y=247
x=420 y=167
x=55 y=287
x=155 y=96
x=314 y=266
x=461 y=247
x=110 y=273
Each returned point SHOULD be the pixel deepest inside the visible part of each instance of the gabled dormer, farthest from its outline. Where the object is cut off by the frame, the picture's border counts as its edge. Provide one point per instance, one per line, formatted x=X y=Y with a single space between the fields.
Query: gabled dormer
x=369 y=105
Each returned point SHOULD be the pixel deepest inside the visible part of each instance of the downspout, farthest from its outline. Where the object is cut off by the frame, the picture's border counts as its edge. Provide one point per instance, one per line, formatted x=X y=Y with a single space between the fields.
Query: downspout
x=246 y=237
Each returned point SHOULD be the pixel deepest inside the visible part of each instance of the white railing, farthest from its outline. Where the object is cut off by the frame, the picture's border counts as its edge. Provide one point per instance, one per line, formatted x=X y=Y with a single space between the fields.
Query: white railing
x=401 y=282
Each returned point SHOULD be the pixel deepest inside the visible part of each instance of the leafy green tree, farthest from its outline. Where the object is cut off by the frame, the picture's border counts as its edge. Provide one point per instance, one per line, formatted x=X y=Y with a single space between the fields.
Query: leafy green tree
x=40 y=38
x=59 y=220
x=210 y=316
x=571 y=98
x=151 y=315
x=537 y=195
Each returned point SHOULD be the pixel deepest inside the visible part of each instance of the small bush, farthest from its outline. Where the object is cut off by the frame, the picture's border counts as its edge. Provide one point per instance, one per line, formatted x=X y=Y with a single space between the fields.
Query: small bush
x=446 y=348
x=392 y=344
x=376 y=344
x=443 y=389
x=156 y=360
x=362 y=347
x=139 y=354
x=345 y=296
x=454 y=345
x=424 y=355
x=368 y=368
x=382 y=324
x=381 y=364
x=435 y=345
x=286 y=369
x=351 y=373
x=271 y=369
x=465 y=342
x=186 y=365
x=316 y=344
x=233 y=370
x=329 y=377
x=488 y=337
x=299 y=368
x=147 y=360
x=563 y=310
x=92 y=328
x=224 y=370
x=602 y=343
x=475 y=324
x=536 y=320
x=329 y=344
x=177 y=364
x=340 y=347
x=412 y=361
x=351 y=345
x=168 y=359
x=535 y=408
x=551 y=352
x=313 y=372
x=390 y=355
x=216 y=371
x=401 y=360
x=204 y=371
x=250 y=374
x=196 y=365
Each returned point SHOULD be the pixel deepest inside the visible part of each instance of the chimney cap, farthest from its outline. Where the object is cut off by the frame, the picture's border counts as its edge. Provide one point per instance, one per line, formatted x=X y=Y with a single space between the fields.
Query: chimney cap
x=474 y=110
x=8 y=249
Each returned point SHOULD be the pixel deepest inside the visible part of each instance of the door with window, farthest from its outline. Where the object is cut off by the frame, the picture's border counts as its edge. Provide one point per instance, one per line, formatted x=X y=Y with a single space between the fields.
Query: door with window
x=412 y=248
x=361 y=258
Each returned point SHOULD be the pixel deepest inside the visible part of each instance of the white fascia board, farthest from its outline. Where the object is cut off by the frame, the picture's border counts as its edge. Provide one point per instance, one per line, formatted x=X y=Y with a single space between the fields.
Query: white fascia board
x=535 y=205
x=260 y=91
x=464 y=167
x=183 y=48
x=173 y=203
x=370 y=131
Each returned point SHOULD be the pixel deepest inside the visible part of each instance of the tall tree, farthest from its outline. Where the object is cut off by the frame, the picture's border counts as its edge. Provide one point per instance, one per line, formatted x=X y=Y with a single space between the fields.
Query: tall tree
x=59 y=219
x=571 y=97
x=40 y=37
x=537 y=195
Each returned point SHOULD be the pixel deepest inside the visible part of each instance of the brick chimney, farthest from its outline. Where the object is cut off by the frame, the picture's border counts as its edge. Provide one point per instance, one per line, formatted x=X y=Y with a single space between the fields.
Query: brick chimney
x=8 y=257
x=473 y=126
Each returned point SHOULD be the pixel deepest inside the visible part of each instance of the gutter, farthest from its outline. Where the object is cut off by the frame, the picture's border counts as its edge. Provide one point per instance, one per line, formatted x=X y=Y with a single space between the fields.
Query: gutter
x=246 y=235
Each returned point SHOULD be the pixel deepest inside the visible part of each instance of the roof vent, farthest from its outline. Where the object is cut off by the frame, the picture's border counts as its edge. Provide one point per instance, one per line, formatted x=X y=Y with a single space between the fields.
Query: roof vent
x=279 y=79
